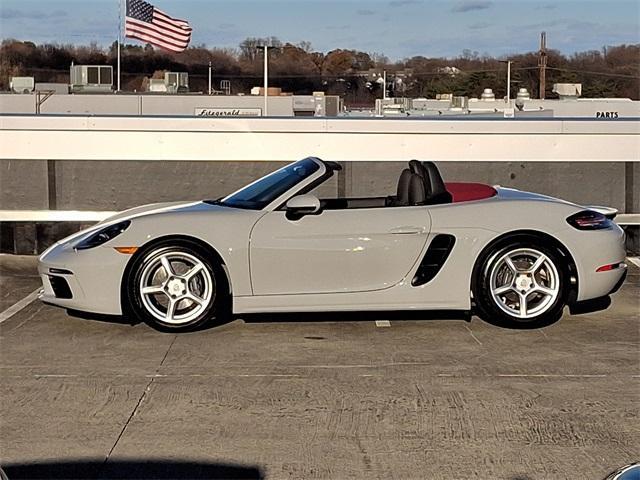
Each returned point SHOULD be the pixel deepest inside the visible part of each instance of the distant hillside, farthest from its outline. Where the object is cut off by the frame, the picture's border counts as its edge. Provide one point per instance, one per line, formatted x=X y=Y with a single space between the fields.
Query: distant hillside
x=612 y=72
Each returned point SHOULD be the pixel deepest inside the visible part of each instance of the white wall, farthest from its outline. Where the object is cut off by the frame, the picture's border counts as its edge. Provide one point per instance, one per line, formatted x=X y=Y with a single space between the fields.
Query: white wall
x=237 y=139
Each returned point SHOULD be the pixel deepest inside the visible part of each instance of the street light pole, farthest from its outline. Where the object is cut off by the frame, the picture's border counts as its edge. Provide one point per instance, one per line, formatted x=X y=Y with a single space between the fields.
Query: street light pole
x=209 y=78
x=266 y=78
x=384 y=84
x=266 y=81
x=120 y=12
x=509 y=82
x=508 y=62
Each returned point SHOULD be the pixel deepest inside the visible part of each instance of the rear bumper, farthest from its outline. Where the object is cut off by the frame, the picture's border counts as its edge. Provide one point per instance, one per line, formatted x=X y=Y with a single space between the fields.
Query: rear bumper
x=618 y=285
x=590 y=306
x=597 y=304
x=590 y=251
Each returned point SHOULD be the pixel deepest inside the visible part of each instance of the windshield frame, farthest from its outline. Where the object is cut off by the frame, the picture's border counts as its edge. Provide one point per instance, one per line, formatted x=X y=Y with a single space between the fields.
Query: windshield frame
x=316 y=177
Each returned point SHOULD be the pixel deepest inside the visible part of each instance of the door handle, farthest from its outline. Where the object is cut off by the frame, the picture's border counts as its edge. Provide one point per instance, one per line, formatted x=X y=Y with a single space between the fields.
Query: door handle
x=407 y=230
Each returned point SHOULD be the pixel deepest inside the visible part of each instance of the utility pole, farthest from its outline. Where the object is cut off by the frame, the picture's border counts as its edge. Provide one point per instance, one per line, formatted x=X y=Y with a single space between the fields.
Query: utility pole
x=209 y=78
x=542 y=64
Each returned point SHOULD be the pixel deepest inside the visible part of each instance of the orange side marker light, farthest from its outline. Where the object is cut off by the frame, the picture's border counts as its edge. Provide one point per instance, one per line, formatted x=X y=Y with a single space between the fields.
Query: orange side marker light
x=127 y=250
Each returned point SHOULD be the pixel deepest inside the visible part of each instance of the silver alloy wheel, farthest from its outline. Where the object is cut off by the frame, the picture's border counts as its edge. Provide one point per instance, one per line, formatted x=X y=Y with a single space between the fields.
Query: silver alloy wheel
x=176 y=287
x=524 y=283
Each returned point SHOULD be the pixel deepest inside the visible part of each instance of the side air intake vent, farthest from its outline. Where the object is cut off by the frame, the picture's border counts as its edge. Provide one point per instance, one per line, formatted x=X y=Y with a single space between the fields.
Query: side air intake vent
x=434 y=259
x=60 y=287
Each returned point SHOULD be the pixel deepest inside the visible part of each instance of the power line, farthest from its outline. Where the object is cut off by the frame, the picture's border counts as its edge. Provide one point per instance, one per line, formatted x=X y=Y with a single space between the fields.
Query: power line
x=587 y=72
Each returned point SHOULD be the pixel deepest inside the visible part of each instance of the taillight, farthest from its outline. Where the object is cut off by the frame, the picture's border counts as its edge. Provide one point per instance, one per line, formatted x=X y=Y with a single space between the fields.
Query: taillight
x=589 y=220
x=611 y=266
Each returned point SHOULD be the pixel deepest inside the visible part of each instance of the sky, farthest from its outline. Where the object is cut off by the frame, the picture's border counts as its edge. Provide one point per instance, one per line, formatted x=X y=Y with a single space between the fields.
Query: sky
x=396 y=28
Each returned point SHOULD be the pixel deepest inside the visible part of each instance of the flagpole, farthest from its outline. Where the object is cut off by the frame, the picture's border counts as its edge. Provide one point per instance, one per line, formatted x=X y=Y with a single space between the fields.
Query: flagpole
x=119 y=38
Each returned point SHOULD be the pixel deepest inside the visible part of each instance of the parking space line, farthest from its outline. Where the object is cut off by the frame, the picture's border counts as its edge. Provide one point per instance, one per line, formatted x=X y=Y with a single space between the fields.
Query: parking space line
x=457 y=375
x=549 y=375
x=383 y=323
x=472 y=335
x=635 y=261
x=16 y=307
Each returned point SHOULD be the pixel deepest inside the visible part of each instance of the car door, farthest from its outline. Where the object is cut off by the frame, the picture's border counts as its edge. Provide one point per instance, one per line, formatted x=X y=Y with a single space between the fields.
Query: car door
x=337 y=250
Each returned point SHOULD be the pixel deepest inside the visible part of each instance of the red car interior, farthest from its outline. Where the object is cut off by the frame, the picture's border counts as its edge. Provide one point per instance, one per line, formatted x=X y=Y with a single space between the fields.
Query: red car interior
x=467 y=191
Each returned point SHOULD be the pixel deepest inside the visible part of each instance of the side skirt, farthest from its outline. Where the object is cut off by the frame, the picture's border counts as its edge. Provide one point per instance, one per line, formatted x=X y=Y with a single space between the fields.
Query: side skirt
x=342 y=302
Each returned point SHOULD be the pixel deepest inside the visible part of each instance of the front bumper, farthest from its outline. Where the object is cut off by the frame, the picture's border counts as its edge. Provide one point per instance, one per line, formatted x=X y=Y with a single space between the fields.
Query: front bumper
x=85 y=280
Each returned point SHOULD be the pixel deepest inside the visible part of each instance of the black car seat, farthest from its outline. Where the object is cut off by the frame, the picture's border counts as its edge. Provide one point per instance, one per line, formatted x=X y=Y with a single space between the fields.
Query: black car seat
x=411 y=190
x=402 y=194
x=417 y=193
x=434 y=186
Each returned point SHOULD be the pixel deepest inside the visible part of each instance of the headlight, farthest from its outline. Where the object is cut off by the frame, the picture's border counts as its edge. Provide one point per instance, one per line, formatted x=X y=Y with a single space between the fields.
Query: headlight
x=103 y=236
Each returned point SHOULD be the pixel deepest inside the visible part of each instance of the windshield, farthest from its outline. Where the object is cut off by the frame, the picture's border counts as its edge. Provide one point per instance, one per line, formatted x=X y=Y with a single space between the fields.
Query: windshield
x=262 y=192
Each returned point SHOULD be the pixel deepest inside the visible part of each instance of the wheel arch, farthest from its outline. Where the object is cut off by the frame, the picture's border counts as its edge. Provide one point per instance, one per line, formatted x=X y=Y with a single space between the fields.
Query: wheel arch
x=547 y=240
x=176 y=239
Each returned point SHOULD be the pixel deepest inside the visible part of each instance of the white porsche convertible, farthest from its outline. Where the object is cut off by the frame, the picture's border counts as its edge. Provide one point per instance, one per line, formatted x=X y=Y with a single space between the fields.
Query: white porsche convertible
x=514 y=258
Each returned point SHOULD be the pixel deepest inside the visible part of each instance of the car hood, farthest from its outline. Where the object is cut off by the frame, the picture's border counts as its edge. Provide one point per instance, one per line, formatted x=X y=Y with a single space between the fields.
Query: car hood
x=144 y=210
x=150 y=209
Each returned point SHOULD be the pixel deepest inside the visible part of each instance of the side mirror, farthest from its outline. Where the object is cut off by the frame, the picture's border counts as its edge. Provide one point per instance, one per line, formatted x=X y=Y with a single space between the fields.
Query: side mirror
x=302 y=205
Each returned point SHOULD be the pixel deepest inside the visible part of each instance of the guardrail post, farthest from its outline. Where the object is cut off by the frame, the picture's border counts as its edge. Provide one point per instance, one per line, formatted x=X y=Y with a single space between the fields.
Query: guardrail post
x=632 y=202
x=344 y=180
x=51 y=185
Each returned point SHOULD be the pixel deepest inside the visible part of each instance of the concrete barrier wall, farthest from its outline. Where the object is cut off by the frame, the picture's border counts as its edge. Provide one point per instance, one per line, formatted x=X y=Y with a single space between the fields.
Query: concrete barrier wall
x=110 y=185
x=23 y=185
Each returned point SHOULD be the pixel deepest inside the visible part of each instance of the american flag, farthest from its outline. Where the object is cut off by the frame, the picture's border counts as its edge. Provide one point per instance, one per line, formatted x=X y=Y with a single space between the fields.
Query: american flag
x=145 y=22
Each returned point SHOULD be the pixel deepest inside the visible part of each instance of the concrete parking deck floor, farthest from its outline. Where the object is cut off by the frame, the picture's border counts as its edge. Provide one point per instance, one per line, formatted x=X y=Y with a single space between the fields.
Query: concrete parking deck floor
x=292 y=397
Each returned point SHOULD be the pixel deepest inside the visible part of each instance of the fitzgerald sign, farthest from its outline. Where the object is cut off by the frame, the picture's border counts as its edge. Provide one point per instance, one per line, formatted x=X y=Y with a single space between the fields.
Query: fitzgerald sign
x=228 y=112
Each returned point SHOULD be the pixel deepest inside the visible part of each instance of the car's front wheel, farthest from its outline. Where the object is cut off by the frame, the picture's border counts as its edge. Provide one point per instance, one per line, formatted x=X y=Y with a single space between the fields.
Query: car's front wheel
x=175 y=287
x=522 y=284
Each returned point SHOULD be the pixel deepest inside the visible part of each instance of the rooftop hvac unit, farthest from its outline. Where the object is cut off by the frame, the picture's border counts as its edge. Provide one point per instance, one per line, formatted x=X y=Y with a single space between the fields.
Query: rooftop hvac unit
x=91 y=78
x=523 y=94
x=22 y=84
x=487 y=95
x=567 y=91
x=157 y=85
x=459 y=103
x=176 y=82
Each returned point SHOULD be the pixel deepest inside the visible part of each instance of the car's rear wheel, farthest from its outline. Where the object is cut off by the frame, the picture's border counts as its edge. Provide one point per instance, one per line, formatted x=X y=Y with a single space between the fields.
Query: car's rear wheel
x=176 y=287
x=522 y=284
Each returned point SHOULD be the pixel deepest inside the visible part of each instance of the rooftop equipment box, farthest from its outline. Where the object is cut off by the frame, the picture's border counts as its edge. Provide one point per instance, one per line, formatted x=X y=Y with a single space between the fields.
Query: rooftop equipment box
x=91 y=78
x=21 y=84
x=176 y=82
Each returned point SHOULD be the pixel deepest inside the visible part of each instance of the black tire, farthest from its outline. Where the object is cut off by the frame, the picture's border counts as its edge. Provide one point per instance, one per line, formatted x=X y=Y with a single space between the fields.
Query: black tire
x=486 y=303
x=143 y=309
